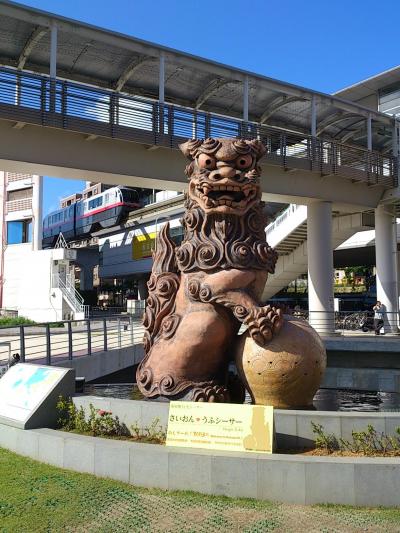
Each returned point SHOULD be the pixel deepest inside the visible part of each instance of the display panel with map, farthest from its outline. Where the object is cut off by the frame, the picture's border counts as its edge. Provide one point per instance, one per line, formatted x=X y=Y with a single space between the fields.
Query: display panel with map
x=25 y=388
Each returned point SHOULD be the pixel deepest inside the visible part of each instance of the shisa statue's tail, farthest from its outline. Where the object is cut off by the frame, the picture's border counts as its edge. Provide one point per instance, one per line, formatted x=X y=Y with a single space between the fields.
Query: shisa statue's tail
x=163 y=286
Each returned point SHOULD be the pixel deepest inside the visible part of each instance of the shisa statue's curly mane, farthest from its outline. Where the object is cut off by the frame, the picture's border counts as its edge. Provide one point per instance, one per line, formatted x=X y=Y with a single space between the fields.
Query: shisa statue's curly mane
x=200 y=291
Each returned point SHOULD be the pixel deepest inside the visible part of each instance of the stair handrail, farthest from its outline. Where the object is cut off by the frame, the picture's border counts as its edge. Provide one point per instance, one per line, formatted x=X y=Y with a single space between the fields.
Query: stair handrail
x=69 y=292
x=283 y=216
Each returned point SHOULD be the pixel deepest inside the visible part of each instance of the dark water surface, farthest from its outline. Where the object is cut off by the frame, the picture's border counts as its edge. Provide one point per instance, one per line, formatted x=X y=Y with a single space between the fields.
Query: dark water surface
x=324 y=400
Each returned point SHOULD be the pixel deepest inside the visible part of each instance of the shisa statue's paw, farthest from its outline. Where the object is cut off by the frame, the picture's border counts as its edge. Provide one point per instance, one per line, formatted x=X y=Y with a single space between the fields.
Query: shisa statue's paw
x=210 y=392
x=263 y=322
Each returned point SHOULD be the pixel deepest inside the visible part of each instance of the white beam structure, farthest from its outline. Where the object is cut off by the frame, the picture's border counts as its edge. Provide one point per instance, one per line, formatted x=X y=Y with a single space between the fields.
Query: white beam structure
x=320 y=267
x=53 y=50
x=212 y=88
x=396 y=138
x=369 y=132
x=161 y=79
x=313 y=116
x=336 y=119
x=33 y=39
x=386 y=264
x=129 y=71
x=113 y=161
x=246 y=99
x=277 y=104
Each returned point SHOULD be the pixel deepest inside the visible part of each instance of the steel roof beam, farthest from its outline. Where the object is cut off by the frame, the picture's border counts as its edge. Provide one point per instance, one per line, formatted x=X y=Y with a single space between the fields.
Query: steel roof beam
x=30 y=44
x=212 y=88
x=332 y=120
x=350 y=134
x=277 y=104
x=133 y=66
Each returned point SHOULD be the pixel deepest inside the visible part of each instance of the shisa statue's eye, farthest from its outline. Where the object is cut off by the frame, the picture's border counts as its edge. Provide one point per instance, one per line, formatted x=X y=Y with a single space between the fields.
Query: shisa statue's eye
x=206 y=161
x=244 y=161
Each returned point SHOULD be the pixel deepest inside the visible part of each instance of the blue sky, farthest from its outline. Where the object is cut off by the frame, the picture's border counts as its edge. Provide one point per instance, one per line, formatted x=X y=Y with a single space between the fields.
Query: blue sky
x=322 y=44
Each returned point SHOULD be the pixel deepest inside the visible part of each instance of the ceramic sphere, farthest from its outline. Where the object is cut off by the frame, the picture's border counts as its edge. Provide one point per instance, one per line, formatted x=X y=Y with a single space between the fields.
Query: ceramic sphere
x=288 y=371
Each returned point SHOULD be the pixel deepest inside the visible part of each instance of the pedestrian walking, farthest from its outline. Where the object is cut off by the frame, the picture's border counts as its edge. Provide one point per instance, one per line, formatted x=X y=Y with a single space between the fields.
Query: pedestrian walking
x=379 y=313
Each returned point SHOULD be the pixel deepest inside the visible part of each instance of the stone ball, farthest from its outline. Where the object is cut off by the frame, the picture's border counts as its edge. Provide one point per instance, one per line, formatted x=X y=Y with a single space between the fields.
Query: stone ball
x=288 y=371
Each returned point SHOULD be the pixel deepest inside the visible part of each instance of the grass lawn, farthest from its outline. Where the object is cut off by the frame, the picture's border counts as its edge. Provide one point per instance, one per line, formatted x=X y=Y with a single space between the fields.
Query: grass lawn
x=38 y=498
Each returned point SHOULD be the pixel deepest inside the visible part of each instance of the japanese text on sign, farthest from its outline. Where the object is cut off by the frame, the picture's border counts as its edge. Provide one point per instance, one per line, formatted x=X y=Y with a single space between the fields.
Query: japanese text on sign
x=220 y=426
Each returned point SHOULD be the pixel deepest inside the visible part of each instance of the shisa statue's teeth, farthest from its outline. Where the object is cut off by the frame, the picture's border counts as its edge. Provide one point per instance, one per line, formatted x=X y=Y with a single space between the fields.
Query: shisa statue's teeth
x=228 y=202
x=236 y=188
x=230 y=188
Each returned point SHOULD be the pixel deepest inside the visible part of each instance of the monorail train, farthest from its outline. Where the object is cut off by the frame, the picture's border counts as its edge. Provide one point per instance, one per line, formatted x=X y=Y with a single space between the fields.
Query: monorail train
x=81 y=218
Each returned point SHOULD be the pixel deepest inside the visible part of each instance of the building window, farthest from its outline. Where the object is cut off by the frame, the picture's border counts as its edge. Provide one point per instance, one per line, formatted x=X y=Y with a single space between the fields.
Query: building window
x=21 y=194
x=19 y=231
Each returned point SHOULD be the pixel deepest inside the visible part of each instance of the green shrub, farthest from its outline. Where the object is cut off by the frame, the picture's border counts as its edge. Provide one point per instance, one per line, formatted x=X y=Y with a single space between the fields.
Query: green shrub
x=10 y=321
x=367 y=442
x=324 y=441
x=100 y=423
x=15 y=321
x=155 y=432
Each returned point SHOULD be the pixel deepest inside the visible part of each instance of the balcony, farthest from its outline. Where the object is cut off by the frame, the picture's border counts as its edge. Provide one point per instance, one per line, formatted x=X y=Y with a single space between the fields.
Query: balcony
x=18 y=205
x=13 y=176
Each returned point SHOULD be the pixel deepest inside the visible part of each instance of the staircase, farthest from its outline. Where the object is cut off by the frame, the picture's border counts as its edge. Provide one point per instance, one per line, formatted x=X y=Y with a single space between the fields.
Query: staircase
x=64 y=280
x=71 y=295
x=288 y=236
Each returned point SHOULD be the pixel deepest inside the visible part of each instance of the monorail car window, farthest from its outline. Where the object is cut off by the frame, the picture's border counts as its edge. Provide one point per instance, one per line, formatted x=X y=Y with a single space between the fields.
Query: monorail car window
x=129 y=195
x=96 y=202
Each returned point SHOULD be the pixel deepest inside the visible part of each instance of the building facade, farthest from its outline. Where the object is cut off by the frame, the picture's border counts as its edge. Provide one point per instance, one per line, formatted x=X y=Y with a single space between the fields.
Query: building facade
x=21 y=228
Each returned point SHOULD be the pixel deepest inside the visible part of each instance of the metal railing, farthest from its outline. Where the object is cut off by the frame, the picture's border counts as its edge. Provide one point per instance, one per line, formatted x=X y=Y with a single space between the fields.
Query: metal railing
x=48 y=345
x=69 y=292
x=282 y=217
x=36 y=99
x=349 y=322
x=44 y=344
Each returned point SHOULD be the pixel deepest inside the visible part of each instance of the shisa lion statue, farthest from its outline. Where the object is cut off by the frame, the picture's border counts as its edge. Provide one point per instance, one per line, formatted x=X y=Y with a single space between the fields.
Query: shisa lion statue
x=201 y=291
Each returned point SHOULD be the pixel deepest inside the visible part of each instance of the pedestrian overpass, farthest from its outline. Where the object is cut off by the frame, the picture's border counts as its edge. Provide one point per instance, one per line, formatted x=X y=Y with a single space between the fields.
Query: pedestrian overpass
x=82 y=102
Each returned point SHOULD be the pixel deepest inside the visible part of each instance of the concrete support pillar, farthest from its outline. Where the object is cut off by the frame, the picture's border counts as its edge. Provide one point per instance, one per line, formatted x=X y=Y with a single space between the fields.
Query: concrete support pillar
x=86 y=279
x=386 y=264
x=37 y=215
x=142 y=289
x=320 y=267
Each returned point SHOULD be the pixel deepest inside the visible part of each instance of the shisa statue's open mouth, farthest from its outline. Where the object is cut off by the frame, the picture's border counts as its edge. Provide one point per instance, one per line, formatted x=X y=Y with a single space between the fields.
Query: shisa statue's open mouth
x=227 y=197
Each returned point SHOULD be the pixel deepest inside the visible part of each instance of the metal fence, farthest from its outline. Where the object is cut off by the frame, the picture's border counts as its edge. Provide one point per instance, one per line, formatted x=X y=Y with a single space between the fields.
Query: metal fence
x=37 y=99
x=44 y=344
x=349 y=322
x=50 y=344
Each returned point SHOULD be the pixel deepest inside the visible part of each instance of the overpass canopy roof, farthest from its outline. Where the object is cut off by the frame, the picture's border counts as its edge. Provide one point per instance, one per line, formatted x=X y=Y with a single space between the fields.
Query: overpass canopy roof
x=371 y=86
x=112 y=60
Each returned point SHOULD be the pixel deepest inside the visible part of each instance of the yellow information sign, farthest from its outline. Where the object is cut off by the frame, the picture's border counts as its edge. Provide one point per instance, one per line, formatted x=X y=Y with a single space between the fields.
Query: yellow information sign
x=220 y=426
x=143 y=245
